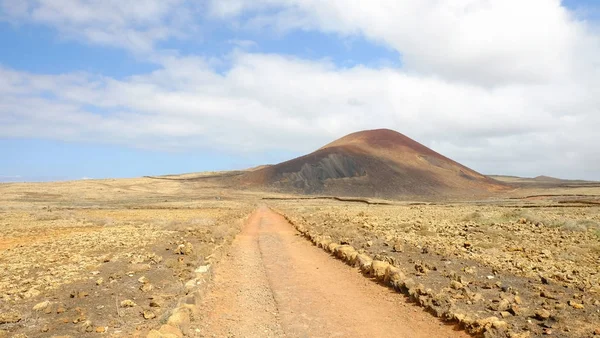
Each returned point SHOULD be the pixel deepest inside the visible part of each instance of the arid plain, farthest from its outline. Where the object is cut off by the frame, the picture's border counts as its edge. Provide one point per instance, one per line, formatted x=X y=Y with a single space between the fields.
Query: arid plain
x=116 y=257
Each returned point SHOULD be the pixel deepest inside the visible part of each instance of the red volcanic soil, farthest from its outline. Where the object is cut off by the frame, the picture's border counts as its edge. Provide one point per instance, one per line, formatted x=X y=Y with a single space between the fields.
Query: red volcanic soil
x=374 y=163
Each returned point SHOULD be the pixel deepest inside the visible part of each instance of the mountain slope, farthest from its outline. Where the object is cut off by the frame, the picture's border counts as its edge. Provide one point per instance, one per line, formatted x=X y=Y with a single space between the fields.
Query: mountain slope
x=373 y=163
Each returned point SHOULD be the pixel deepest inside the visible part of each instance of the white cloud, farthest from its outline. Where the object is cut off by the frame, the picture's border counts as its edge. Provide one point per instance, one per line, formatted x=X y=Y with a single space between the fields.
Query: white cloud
x=488 y=42
x=134 y=25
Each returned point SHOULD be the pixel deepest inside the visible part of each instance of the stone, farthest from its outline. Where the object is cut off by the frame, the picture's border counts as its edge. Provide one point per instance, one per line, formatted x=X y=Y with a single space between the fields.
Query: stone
x=456 y=285
x=421 y=268
x=128 y=303
x=170 y=331
x=180 y=320
x=99 y=281
x=41 y=306
x=549 y=295
x=202 y=269
x=518 y=300
x=149 y=315
x=542 y=314
x=31 y=293
x=185 y=249
x=503 y=305
x=100 y=329
x=10 y=317
x=378 y=269
x=398 y=247
x=147 y=287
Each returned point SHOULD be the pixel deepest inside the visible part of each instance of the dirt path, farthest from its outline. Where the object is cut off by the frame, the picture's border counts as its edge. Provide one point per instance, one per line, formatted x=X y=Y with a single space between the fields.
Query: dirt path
x=274 y=283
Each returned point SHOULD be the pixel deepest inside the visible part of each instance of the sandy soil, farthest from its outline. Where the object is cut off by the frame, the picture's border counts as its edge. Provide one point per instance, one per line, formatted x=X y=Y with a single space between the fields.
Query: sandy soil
x=274 y=284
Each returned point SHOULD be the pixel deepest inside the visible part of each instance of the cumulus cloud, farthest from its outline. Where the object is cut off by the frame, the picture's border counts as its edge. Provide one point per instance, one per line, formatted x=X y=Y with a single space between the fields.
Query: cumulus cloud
x=134 y=25
x=488 y=42
x=503 y=86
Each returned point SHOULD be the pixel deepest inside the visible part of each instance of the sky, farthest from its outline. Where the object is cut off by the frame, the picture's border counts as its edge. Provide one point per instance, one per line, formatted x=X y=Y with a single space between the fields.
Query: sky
x=113 y=88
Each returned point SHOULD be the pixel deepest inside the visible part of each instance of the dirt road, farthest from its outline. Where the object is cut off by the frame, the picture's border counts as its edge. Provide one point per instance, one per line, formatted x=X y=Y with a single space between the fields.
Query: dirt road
x=274 y=283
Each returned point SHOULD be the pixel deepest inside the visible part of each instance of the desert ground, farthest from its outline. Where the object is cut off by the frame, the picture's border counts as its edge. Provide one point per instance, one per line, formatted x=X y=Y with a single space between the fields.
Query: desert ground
x=187 y=255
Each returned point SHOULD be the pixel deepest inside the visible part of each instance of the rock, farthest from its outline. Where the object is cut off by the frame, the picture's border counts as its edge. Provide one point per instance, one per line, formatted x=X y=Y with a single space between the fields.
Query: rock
x=364 y=263
x=45 y=328
x=470 y=270
x=499 y=325
x=169 y=331
x=80 y=294
x=136 y=268
x=154 y=304
x=597 y=332
x=41 y=306
x=149 y=315
x=542 y=314
x=100 y=329
x=99 y=281
x=49 y=309
x=393 y=276
x=525 y=334
x=378 y=269
x=331 y=247
x=456 y=285
x=202 y=269
x=503 y=305
x=515 y=310
x=549 y=295
x=87 y=327
x=147 y=287
x=10 y=317
x=421 y=268
x=398 y=247
x=518 y=300
x=61 y=309
x=576 y=305
x=481 y=325
x=180 y=320
x=185 y=249
x=345 y=252
x=369 y=244
x=128 y=303
x=32 y=293
x=505 y=314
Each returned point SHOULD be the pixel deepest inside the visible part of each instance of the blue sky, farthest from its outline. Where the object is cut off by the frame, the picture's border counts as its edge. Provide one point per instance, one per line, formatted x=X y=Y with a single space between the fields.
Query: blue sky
x=117 y=89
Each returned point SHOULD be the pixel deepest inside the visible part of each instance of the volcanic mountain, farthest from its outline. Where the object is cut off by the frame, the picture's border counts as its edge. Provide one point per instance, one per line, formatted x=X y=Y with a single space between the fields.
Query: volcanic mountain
x=374 y=163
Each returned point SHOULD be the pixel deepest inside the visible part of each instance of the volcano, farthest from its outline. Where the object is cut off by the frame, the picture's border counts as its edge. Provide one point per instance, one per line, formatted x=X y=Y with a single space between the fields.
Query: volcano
x=374 y=163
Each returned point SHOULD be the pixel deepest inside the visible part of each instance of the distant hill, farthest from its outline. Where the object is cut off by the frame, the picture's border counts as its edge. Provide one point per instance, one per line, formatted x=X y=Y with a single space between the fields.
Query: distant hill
x=373 y=163
x=542 y=181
